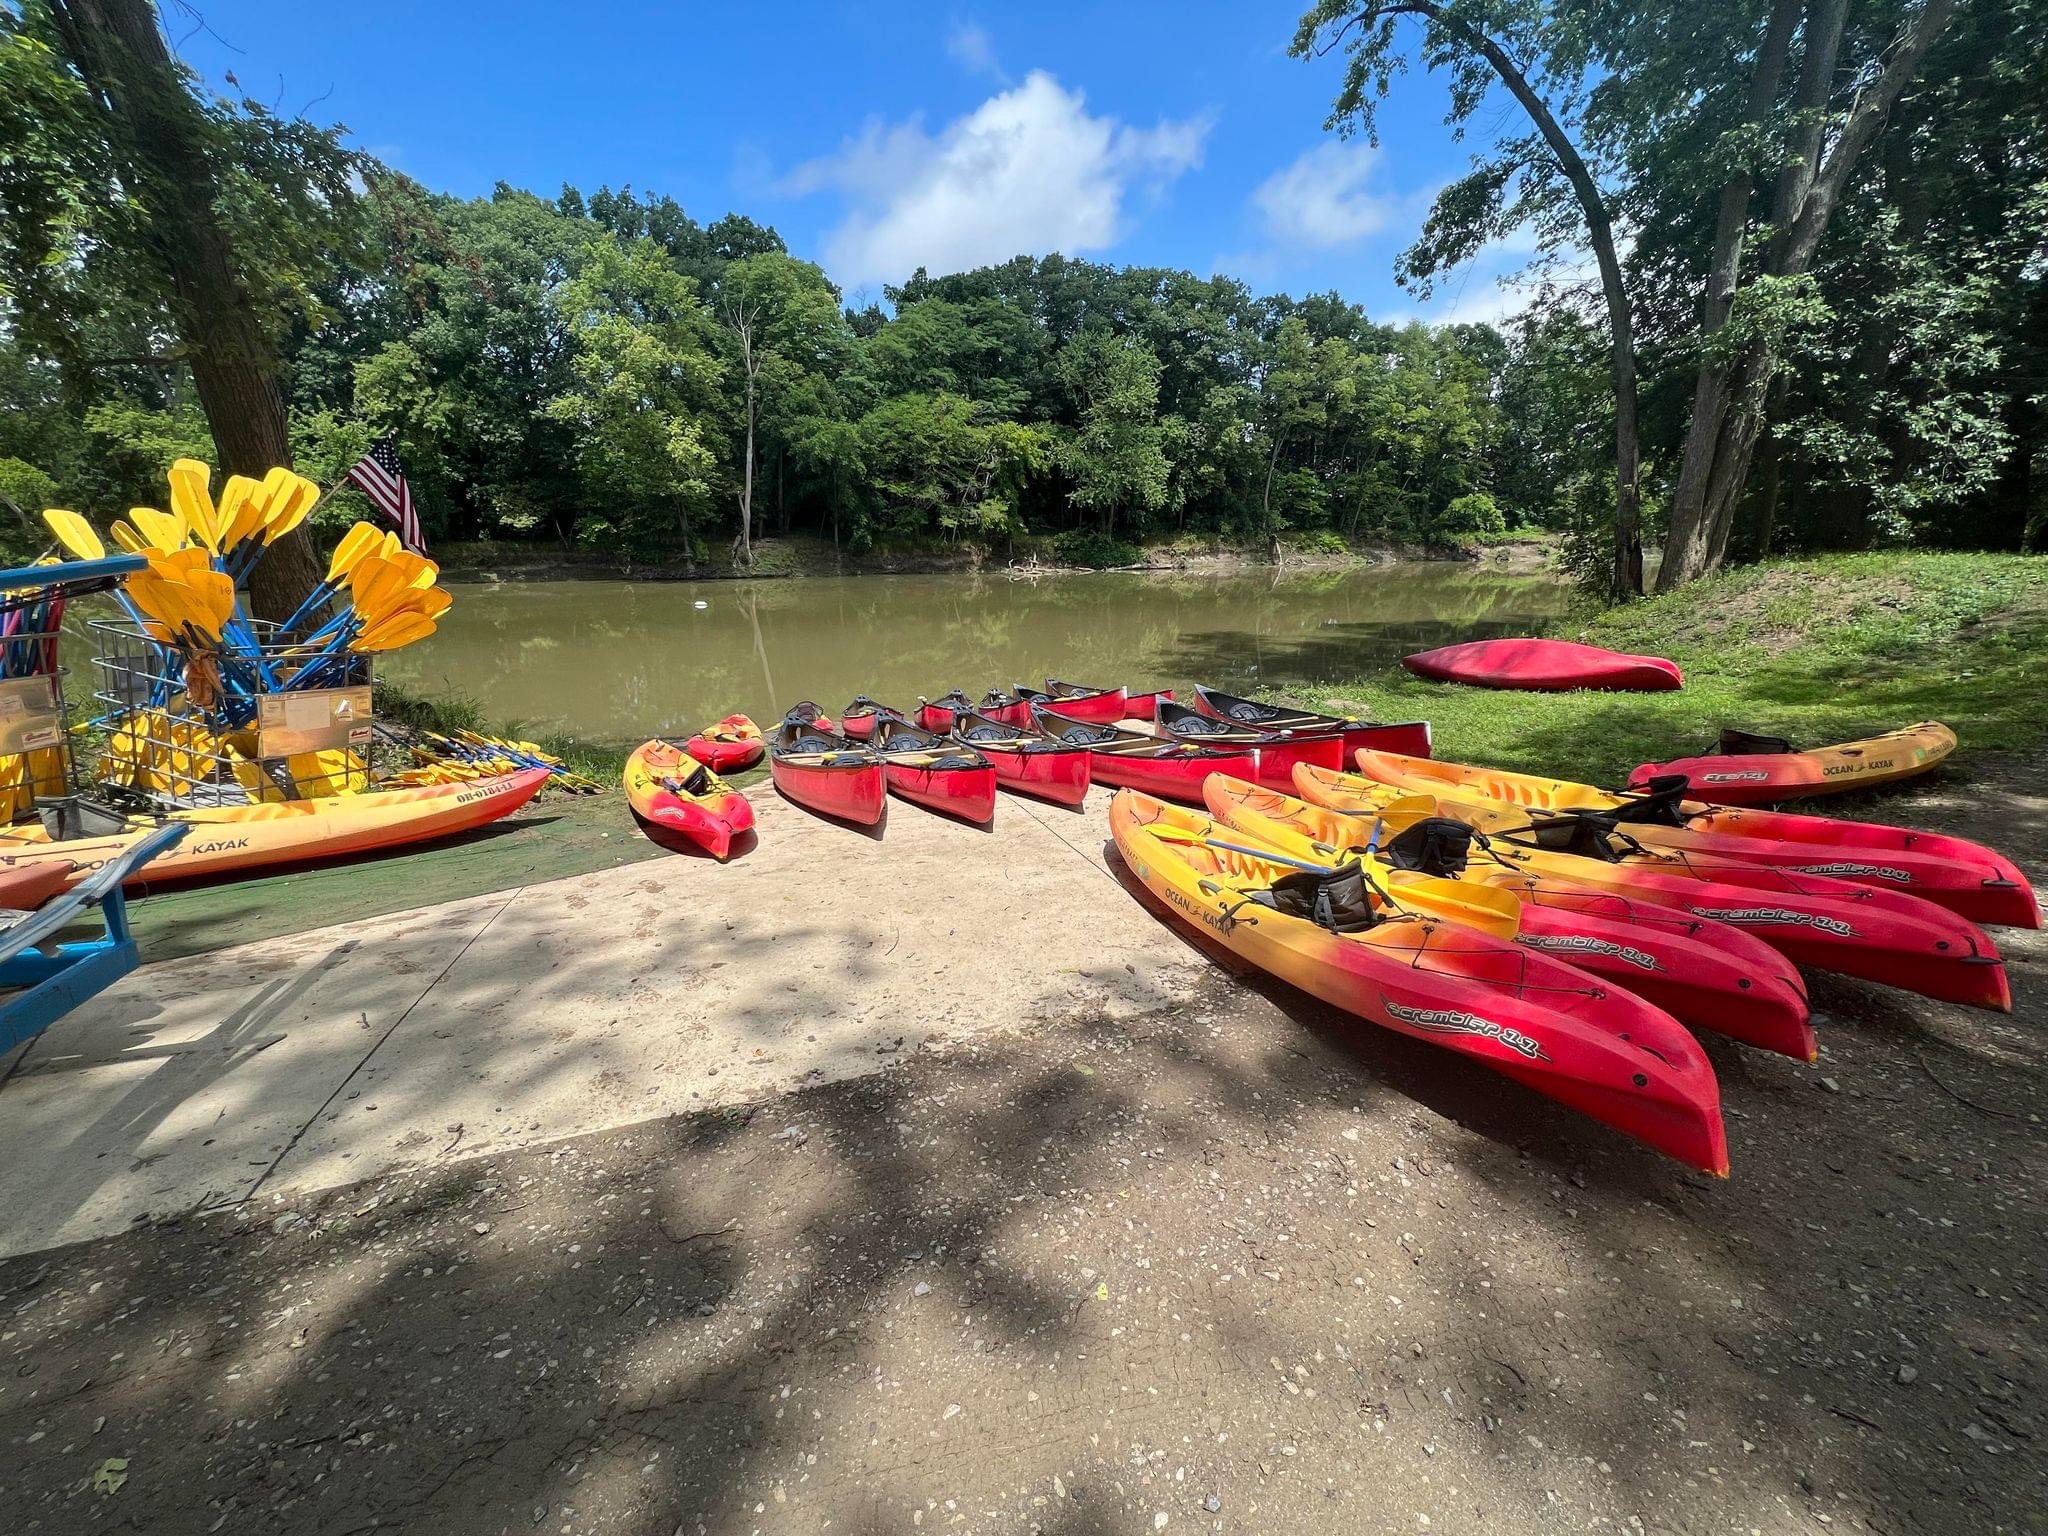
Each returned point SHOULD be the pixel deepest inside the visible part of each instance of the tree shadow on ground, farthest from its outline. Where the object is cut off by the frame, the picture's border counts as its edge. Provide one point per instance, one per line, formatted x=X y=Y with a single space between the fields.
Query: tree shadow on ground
x=1244 y=1251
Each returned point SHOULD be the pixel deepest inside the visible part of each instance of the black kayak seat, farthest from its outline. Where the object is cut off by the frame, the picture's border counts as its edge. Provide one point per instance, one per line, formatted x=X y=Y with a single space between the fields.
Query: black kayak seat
x=1435 y=845
x=1336 y=899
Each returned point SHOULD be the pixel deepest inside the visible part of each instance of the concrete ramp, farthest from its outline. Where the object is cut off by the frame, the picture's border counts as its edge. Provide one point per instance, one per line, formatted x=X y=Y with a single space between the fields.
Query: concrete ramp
x=571 y=1006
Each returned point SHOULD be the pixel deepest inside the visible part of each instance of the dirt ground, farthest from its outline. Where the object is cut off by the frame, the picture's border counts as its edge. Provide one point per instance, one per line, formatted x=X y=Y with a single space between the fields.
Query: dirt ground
x=1239 y=1265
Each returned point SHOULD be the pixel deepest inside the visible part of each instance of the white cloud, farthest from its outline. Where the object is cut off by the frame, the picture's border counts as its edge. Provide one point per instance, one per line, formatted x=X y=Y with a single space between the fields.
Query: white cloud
x=975 y=51
x=1029 y=170
x=1328 y=198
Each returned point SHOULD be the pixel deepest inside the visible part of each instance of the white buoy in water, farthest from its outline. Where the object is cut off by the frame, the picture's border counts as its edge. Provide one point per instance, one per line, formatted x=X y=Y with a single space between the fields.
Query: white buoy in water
x=702 y=604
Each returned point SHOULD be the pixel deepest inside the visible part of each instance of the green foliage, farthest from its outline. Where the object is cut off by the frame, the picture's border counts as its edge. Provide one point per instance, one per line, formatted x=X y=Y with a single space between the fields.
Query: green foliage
x=1471 y=516
x=1093 y=548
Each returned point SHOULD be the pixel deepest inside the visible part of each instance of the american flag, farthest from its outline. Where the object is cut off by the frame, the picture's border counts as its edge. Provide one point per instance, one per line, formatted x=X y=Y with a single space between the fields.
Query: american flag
x=378 y=476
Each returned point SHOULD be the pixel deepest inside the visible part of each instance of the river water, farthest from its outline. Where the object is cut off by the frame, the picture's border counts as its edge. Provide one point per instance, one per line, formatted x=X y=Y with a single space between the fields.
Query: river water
x=619 y=661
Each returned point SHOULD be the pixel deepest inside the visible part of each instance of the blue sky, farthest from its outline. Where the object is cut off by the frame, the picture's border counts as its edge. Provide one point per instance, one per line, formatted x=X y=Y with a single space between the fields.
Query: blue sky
x=878 y=137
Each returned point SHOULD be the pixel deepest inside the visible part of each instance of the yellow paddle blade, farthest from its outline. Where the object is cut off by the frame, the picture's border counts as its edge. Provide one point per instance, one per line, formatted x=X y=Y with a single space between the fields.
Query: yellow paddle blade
x=393 y=545
x=241 y=510
x=389 y=636
x=125 y=536
x=192 y=501
x=74 y=533
x=212 y=600
x=1459 y=901
x=164 y=530
x=360 y=541
x=298 y=498
x=418 y=569
x=436 y=602
x=373 y=584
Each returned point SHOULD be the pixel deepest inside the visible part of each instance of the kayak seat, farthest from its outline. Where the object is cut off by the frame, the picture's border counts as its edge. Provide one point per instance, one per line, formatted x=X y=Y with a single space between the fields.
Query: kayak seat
x=1337 y=900
x=1435 y=845
x=1736 y=743
x=1584 y=833
x=699 y=783
x=1656 y=804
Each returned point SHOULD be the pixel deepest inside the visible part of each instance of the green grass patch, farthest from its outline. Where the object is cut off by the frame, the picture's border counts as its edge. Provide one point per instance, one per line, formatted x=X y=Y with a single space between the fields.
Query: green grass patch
x=1817 y=650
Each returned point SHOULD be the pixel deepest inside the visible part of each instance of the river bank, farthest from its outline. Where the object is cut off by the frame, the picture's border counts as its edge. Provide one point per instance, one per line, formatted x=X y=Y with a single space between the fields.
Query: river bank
x=799 y=556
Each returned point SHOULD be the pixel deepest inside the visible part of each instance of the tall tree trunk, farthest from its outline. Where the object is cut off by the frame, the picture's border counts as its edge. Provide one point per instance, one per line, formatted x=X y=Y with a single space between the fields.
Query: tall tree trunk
x=160 y=139
x=747 y=485
x=1626 y=575
x=1723 y=432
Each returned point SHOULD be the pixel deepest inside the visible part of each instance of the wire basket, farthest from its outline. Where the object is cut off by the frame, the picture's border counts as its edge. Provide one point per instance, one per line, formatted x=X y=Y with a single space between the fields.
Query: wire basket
x=193 y=728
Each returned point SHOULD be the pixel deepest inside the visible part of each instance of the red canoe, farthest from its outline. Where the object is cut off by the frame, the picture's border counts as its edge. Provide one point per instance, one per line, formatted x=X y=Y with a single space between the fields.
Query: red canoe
x=937 y=715
x=1544 y=666
x=1145 y=706
x=824 y=771
x=934 y=771
x=727 y=747
x=1027 y=760
x=1278 y=751
x=1169 y=769
x=1094 y=706
x=1409 y=737
x=858 y=718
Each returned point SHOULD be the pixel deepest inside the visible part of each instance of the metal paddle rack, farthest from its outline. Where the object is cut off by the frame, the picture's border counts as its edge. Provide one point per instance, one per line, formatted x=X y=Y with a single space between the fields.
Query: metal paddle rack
x=184 y=729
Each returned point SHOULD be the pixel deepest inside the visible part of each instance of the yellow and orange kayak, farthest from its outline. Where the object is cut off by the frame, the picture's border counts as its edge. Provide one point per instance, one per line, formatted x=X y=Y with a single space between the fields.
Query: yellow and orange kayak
x=669 y=789
x=1602 y=1050
x=1756 y=770
x=1968 y=878
x=236 y=839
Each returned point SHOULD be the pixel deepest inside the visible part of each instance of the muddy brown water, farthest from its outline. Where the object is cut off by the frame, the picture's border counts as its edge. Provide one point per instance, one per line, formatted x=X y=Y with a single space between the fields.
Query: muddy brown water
x=617 y=661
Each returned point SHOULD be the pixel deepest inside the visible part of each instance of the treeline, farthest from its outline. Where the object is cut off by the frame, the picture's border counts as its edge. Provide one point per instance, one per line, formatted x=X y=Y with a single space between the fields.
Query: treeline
x=607 y=370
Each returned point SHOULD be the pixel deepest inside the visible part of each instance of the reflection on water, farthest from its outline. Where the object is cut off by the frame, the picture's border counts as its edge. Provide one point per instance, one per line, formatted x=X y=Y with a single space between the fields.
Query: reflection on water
x=617 y=661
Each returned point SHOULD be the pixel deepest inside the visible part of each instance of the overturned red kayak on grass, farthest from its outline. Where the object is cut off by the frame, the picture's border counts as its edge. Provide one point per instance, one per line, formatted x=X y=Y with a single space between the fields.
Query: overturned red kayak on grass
x=1544 y=666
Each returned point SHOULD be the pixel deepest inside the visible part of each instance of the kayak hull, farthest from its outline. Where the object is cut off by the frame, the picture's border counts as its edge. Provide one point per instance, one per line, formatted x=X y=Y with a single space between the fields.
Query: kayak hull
x=1145 y=706
x=1544 y=666
x=1761 y=778
x=1967 y=878
x=231 y=840
x=732 y=745
x=710 y=820
x=1855 y=930
x=25 y=887
x=1602 y=1051
x=1702 y=973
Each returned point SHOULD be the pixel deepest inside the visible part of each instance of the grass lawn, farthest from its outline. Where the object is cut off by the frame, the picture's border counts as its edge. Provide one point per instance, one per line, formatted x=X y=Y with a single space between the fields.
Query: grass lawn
x=1817 y=650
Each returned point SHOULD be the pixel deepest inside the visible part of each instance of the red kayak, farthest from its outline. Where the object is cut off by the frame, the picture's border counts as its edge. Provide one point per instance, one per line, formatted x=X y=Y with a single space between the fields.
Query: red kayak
x=824 y=771
x=1170 y=769
x=1095 y=706
x=858 y=718
x=1027 y=760
x=1966 y=878
x=1278 y=751
x=727 y=747
x=1544 y=666
x=670 y=791
x=1410 y=738
x=935 y=771
x=25 y=887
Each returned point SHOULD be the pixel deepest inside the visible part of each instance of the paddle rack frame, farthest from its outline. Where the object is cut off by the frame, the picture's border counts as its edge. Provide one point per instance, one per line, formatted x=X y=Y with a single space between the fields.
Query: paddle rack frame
x=153 y=727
